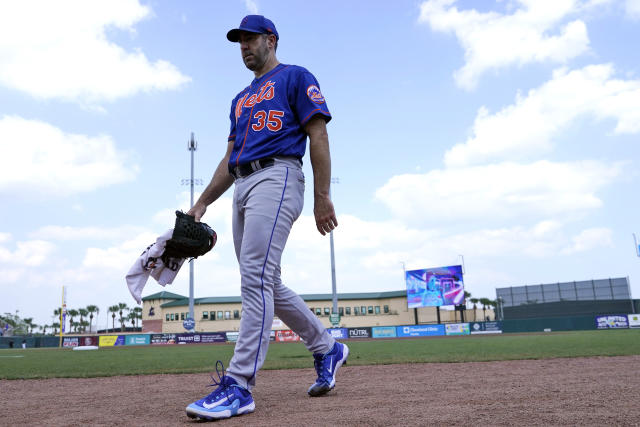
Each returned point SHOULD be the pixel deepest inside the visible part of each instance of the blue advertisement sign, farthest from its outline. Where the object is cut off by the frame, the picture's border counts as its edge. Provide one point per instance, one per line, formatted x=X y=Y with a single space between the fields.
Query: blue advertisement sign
x=485 y=327
x=612 y=321
x=338 y=333
x=383 y=332
x=137 y=339
x=420 y=330
x=189 y=324
x=434 y=287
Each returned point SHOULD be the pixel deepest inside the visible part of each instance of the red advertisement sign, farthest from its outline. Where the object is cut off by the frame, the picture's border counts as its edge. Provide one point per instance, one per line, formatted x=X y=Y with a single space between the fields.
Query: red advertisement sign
x=287 y=335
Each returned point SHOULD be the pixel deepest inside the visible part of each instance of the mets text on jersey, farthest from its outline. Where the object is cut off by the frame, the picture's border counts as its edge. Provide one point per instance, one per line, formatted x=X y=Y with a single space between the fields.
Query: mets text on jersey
x=266 y=92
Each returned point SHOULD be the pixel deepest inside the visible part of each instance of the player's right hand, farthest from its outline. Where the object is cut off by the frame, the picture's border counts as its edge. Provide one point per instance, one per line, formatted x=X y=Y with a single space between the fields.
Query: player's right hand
x=197 y=211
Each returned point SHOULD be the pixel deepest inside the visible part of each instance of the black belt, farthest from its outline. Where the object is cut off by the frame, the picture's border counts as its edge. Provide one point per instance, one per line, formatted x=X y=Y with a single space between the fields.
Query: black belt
x=246 y=169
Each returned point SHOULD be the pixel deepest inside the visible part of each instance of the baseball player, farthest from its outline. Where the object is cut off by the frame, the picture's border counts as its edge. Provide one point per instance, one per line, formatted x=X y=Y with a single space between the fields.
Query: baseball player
x=270 y=122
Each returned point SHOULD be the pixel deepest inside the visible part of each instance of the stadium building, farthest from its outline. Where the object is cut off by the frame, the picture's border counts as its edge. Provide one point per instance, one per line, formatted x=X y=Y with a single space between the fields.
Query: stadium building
x=165 y=312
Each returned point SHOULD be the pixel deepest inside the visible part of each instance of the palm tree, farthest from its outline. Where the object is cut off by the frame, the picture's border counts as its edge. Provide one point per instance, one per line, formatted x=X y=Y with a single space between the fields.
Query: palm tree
x=92 y=309
x=475 y=302
x=83 y=325
x=138 y=314
x=114 y=309
x=122 y=306
x=83 y=313
x=485 y=302
x=72 y=313
x=55 y=326
x=30 y=325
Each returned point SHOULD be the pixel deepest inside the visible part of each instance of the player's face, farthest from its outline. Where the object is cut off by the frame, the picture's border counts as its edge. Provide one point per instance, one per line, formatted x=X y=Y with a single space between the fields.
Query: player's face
x=254 y=49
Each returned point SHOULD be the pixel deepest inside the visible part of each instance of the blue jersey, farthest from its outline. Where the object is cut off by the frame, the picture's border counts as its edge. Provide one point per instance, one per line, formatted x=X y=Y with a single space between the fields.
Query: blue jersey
x=268 y=117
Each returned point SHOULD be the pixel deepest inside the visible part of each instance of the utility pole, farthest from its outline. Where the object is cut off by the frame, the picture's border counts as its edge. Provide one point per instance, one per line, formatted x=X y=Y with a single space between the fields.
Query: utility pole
x=333 y=261
x=193 y=146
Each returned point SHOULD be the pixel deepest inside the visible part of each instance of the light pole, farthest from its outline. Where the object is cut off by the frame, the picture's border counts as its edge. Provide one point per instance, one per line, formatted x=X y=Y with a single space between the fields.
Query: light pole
x=333 y=261
x=193 y=146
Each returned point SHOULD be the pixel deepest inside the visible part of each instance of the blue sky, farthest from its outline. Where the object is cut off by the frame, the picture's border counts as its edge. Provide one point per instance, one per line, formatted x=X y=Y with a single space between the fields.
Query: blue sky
x=502 y=131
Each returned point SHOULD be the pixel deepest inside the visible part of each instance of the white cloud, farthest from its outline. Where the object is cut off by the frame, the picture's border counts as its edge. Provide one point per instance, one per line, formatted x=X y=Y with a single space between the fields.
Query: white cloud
x=251 y=6
x=64 y=233
x=632 y=7
x=43 y=158
x=535 y=32
x=498 y=191
x=528 y=126
x=589 y=239
x=61 y=50
x=31 y=253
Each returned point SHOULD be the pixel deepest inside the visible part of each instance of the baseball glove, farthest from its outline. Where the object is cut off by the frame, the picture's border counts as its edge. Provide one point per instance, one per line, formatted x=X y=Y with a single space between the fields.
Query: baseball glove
x=190 y=239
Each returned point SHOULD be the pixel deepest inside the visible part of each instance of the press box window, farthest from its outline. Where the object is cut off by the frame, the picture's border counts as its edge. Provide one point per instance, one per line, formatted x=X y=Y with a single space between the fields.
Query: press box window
x=227 y=315
x=363 y=310
x=172 y=316
x=347 y=311
x=341 y=311
x=205 y=315
x=181 y=316
x=236 y=314
x=318 y=311
x=377 y=309
x=356 y=311
x=386 y=308
x=168 y=317
x=326 y=311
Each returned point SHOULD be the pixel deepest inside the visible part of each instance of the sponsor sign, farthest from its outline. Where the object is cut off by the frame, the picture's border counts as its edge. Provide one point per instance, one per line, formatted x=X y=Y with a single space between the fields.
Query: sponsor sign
x=211 y=337
x=634 y=320
x=137 y=340
x=189 y=324
x=457 y=329
x=111 y=340
x=383 y=332
x=420 y=330
x=286 y=336
x=359 y=332
x=338 y=333
x=485 y=327
x=163 y=339
x=334 y=318
x=232 y=336
x=70 y=342
x=612 y=321
x=87 y=341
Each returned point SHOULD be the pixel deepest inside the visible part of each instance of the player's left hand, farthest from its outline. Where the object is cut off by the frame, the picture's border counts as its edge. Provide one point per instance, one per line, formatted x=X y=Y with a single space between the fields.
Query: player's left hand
x=325 y=214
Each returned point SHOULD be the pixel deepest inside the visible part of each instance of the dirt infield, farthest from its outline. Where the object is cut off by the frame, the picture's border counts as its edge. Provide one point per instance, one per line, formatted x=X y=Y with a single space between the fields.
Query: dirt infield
x=582 y=391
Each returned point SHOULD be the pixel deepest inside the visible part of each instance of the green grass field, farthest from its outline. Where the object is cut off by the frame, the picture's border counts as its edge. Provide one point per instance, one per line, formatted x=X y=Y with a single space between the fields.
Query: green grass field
x=51 y=363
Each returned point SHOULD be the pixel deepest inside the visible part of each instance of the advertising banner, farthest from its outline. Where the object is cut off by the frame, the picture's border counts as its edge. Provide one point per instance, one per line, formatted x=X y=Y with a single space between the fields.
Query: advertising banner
x=137 y=340
x=87 y=341
x=286 y=336
x=211 y=337
x=111 y=340
x=339 y=333
x=634 y=320
x=457 y=329
x=359 y=332
x=434 y=287
x=70 y=342
x=420 y=330
x=163 y=339
x=612 y=321
x=232 y=336
x=383 y=332
x=485 y=327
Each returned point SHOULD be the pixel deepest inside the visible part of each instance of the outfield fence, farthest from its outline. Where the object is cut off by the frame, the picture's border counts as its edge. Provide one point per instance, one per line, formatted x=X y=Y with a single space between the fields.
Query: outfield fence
x=575 y=323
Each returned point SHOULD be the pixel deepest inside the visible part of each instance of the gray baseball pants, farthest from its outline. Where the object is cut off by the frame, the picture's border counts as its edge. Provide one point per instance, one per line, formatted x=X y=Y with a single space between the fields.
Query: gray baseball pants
x=265 y=206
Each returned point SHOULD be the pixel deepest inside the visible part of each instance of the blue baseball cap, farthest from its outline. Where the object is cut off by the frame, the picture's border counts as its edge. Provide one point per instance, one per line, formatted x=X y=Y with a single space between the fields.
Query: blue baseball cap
x=253 y=24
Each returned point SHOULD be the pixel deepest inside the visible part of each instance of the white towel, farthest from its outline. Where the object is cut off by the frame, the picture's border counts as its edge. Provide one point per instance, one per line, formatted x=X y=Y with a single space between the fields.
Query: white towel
x=150 y=263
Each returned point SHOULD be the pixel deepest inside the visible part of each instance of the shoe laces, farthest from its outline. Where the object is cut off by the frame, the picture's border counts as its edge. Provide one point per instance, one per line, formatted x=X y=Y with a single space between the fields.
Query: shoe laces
x=221 y=384
x=322 y=368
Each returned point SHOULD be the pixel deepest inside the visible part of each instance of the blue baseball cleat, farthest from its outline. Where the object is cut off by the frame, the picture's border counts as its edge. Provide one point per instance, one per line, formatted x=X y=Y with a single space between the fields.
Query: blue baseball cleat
x=326 y=366
x=227 y=400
